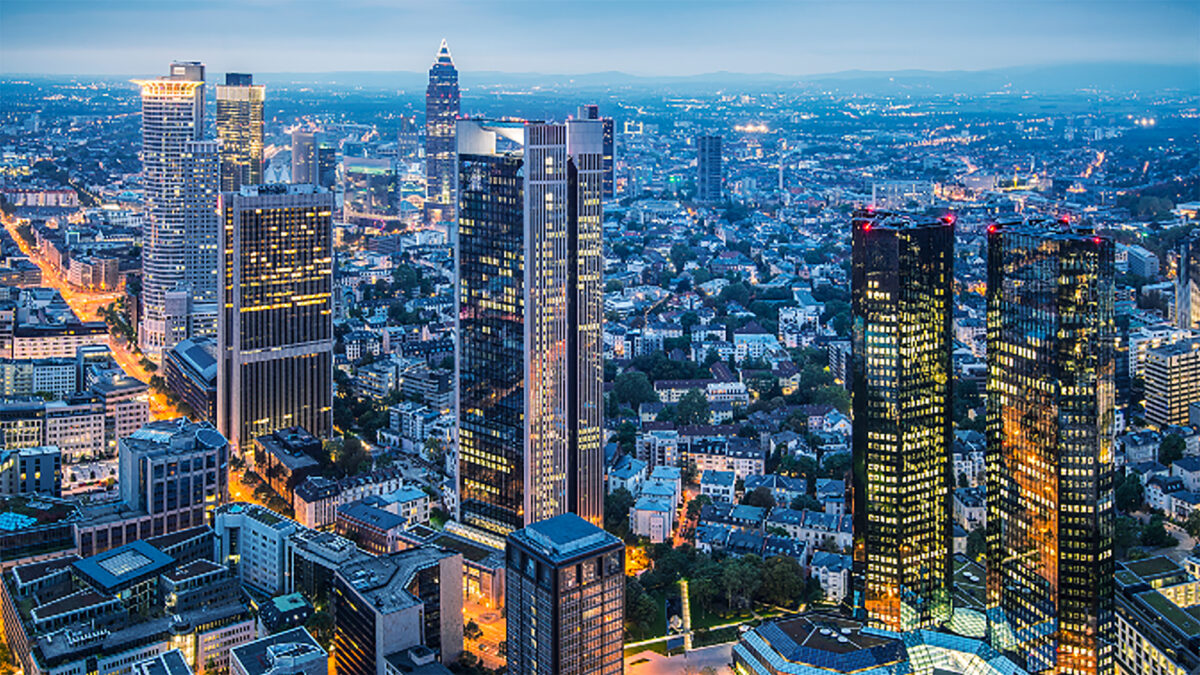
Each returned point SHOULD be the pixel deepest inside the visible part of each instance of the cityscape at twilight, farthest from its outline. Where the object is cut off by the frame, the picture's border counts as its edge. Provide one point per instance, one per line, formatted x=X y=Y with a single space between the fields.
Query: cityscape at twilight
x=414 y=337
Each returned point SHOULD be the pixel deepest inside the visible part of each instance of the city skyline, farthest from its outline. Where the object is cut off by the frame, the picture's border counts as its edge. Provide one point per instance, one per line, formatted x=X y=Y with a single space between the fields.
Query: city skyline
x=788 y=38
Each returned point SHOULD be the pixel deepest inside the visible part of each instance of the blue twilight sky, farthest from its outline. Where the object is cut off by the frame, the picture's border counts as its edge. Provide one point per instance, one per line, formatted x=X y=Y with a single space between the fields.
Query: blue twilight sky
x=646 y=37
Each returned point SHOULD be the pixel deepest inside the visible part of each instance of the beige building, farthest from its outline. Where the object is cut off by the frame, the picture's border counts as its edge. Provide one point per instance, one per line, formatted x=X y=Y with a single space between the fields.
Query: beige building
x=1172 y=382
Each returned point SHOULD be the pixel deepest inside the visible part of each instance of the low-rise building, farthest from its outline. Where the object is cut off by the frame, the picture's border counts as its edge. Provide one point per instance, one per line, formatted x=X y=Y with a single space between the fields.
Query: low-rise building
x=292 y=652
x=286 y=458
x=391 y=603
x=719 y=485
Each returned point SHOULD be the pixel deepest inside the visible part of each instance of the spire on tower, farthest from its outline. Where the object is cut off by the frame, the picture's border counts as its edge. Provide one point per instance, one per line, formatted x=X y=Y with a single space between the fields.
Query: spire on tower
x=443 y=55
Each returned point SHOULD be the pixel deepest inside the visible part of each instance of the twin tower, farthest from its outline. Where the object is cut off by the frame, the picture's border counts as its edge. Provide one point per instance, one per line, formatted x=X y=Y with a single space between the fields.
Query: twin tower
x=1050 y=393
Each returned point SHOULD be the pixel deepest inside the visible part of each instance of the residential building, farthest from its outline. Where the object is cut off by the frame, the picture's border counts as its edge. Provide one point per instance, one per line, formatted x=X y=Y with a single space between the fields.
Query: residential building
x=720 y=485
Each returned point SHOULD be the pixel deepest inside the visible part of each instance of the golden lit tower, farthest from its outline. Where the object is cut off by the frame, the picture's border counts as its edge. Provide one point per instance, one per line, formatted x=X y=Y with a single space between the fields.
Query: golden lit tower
x=903 y=275
x=240 y=130
x=1050 y=331
x=275 y=328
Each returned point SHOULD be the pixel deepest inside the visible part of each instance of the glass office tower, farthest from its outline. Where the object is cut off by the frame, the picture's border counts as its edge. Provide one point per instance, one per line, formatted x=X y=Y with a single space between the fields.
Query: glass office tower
x=903 y=275
x=529 y=307
x=275 y=328
x=1187 y=283
x=1050 y=495
x=240 y=129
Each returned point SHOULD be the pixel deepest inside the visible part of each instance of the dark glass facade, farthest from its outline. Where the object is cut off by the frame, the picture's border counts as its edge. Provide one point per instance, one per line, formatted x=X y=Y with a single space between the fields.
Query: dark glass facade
x=441 y=111
x=1187 y=283
x=530 y=308
x=903 y=274
x=491 y=330
x=275 y=327
x=1049 y=458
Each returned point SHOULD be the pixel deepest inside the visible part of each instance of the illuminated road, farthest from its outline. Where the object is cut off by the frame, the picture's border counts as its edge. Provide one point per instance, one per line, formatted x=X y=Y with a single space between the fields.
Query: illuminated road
x=491 y=623
x=86 y=305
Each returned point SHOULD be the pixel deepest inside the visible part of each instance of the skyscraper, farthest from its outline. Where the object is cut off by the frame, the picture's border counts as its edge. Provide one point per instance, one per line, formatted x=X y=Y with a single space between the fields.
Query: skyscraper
x=529 y=307
x=1187 y=283
x=240 y=129
x=708 y=168
x=179 y=237
x=314 y=159
x=565 y=598
x=275 y=329
x=441 y=111
x=1050 y=495
x=903 y=275
x=592 y=112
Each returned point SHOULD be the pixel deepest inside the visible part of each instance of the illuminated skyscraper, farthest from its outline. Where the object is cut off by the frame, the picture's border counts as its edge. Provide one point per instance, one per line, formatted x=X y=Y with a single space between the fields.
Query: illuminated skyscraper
x=592 y=112
x=441 y=111
x=1050 y=495
x=181 y=230
x=708 y=168
x=902 y=379
x=1187 y=284
x=314 y=159
x=240 y=129
x=529 y=306
x=275 y=329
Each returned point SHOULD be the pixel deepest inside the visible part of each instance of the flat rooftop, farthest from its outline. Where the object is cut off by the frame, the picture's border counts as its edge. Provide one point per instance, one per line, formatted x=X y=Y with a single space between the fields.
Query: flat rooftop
x=564 y=537
x=383 y=581
x=124 y=565
x=259 y=657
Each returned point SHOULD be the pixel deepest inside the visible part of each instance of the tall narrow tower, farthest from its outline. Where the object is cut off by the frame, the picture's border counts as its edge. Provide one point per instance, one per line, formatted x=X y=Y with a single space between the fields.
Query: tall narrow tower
x=181 y=232
x=1187 y=283
x=275 y=328
x=441 y=111
x=529 y=308
x=708 y=169
x=903 y=295
x=591 y=111
x=1050 y=494
x=240 y=130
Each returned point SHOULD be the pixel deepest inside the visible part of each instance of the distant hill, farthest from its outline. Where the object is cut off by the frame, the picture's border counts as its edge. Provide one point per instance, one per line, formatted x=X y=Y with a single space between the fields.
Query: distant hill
x=1065 y=78
x=1047 y=79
